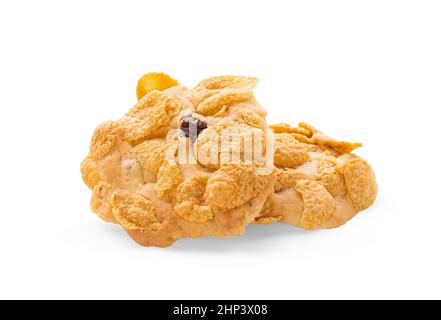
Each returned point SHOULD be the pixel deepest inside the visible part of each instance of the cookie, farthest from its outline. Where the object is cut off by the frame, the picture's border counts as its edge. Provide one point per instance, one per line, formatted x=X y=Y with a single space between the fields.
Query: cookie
x=204 y=162
x=320 y=183
x=177 y=164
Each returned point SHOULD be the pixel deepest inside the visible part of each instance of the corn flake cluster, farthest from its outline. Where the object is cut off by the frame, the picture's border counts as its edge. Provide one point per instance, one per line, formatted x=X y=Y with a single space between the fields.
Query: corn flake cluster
x=138 y=180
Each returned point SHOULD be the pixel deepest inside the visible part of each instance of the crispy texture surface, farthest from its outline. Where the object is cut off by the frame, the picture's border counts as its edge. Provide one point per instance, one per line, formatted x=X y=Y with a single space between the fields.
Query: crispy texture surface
x=318 y=203
x=135 y=212
x=138 y=180
x=222 y=101
x=286 y=128
x=103 y=140
x=151 y=154
x=234 y=184
x=240 y=135
x=153 y=112
x=360 y=182
x=289 y=152
x=330 y=177
x=190 y=200
x=169 y=178
x=139 y=183
x=227 y=82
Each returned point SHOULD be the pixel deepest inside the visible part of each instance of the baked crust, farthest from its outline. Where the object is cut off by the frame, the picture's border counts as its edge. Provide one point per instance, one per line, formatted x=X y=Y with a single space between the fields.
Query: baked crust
x=328 y=189
x=141 y=180
x=137 y=177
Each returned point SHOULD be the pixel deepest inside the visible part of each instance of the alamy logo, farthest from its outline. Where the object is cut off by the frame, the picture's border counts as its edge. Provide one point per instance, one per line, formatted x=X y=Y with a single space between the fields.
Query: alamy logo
x=231 y=145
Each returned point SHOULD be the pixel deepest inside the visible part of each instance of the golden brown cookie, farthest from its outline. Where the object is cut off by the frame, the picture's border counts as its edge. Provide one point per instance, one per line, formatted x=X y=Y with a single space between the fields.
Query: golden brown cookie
x=203 y=162
x=162 y=170
x=319 y=186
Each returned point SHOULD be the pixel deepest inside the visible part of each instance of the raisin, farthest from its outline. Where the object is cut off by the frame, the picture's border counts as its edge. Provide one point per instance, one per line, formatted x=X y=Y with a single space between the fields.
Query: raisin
x=192 y=127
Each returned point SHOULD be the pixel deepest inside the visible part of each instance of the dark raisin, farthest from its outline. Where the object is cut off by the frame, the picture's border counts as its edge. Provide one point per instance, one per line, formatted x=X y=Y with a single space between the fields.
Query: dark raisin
x=192 y=127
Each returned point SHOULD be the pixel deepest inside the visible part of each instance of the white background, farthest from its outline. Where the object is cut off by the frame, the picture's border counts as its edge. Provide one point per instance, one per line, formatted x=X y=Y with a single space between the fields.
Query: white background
x=366 y=71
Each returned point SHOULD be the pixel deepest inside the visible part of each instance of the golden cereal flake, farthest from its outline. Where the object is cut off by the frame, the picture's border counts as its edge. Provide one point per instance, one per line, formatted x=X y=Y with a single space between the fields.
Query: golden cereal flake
x=103 y=140
x=223 y=100
x=207 y=146
x=308 y=127
x=333 y=180
x=286 y=178
x=248 y=117
x=151 y=154
x=154 y=81
x=168 y=179
x=341 y=147
x=289 y=153
x=319 y=205
x=318 y=138
x=267 y=220
x=198 y=96
x=193 y=189
x=219 y=143
x=221 y=112
x=360 y=182
x=303 y=139
x=286 y=128
x=228 y=82
x=190 y=211
x=151 y=113
x=90 y=172
x=135 y=212
x=190 y=200
x=234 y=185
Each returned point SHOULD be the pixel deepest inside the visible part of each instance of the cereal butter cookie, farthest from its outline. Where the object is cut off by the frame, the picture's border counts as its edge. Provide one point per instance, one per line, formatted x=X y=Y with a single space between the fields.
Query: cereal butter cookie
x=320 y=183
x=184 y=162
x=203 y=162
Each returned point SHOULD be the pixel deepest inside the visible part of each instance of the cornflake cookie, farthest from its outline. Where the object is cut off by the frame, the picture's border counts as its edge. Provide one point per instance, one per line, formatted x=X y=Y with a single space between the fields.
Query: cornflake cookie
x=203 y=162
x=320 y=185
x=162 y=170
